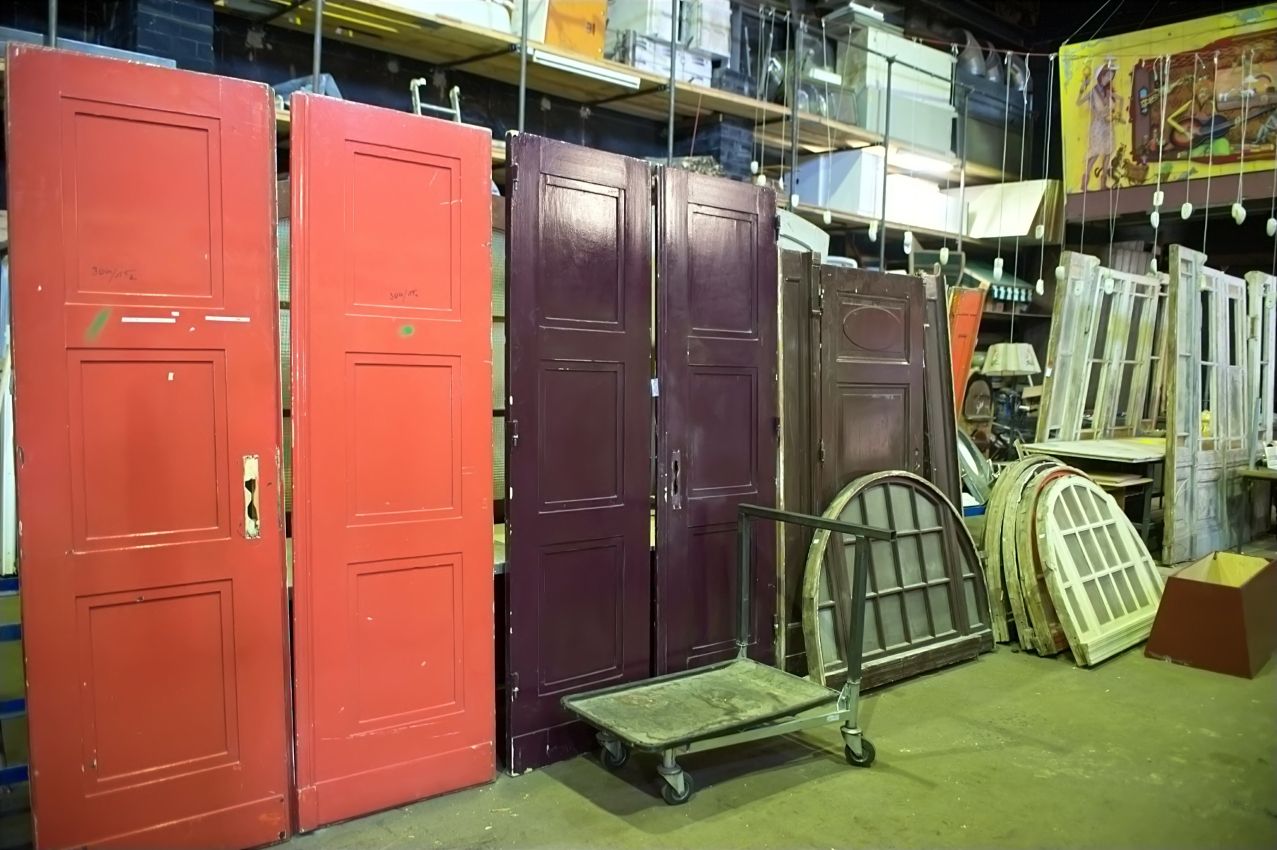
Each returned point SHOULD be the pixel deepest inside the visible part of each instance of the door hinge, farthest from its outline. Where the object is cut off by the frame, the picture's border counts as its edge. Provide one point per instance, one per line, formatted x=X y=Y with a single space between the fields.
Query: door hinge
x=656 y=181
x=514 y=433
x=514 y=686
x=820 y=452
x=514 y=176
x=776 y=226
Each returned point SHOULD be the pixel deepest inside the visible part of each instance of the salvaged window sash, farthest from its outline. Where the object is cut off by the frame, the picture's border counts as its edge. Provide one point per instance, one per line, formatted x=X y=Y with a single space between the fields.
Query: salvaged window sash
x=1208 y=428
x=1261 y=390
x=1105 y=369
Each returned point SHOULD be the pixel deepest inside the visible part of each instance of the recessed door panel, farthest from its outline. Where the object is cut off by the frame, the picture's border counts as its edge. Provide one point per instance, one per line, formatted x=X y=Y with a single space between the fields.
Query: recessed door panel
x=392 y=512
x=871 y=376
x=716 y=413
x=152 y=554
x=578 y=436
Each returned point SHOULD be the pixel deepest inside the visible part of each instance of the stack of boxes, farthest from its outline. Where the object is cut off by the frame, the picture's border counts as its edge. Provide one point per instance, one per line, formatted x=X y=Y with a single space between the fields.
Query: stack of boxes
x=921 y=87
x=639 y=33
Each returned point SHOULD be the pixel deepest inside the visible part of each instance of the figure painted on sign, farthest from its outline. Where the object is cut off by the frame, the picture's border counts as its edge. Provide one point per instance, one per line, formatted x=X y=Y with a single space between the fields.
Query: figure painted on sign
x=1197 y=126
x=1106 y=106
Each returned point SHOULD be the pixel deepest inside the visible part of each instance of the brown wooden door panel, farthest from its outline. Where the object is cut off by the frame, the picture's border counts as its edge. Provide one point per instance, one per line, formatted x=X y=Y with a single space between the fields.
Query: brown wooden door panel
x=871 y=376
x=800 y=422
x=716 y=366
x=579 y=426
x=144 y=322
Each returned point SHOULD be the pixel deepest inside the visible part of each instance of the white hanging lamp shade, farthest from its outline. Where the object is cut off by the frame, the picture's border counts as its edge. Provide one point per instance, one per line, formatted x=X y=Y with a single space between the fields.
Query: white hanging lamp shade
x=1011 y=359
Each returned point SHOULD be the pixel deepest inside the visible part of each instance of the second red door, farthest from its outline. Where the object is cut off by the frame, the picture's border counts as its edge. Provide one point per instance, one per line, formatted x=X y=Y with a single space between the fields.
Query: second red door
x=392 y=457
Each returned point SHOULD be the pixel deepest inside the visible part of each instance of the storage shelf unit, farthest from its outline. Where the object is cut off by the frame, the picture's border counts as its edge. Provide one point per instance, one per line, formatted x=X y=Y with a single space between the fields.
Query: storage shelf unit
x=387 y=27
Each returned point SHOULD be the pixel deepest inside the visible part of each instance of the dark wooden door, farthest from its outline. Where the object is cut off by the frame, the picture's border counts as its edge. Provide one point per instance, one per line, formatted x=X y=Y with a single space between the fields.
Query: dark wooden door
x=392 y=461
x=579 y=430
x=148 y=432
x=716 y=412
x=800 y=283
x=871 y=405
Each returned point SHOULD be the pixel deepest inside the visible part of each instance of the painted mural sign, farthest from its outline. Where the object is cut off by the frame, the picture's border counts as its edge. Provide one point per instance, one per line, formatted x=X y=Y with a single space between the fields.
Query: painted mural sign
x=1185 y=101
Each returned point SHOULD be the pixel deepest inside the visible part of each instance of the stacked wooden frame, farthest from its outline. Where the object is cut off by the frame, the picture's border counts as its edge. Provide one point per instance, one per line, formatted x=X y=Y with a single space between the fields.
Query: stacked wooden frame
x=1105 y=374
x=1209 y=429
x=1261 y=291
x=866 y=387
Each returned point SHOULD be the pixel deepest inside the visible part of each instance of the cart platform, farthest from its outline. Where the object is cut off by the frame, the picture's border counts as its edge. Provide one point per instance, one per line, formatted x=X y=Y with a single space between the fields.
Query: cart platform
x=697 y=704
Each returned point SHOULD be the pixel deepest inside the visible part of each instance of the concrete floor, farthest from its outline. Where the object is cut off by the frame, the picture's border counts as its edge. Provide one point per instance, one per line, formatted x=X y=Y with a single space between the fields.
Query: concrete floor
x=1011 y=750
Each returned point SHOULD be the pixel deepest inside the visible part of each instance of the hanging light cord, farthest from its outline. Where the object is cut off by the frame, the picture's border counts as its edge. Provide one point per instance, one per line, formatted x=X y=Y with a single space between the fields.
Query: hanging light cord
x=1046 y=157
x=1024 y=120
x=1247 y=72
x=1006 y=118
x=1210 y=148
x=1161 y=145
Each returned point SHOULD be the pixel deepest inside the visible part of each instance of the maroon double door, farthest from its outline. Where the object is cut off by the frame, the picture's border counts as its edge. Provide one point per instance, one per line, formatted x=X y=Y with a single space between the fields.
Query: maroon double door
x=586 y=609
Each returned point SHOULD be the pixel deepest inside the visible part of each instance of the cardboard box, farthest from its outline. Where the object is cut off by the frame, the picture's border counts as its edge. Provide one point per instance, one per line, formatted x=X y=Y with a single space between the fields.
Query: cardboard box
x=578 y=26
x=1218 y=614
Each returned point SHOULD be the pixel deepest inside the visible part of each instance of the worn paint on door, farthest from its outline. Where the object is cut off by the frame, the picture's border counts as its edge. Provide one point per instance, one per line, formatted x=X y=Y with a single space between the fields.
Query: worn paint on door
x=144 y=326
x=392 y=511
x=717 y=419
x=578 y=436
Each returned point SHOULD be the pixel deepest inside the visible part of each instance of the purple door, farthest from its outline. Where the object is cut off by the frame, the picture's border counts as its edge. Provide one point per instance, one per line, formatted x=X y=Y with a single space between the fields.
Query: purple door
x=716 y=409
x=579 y=408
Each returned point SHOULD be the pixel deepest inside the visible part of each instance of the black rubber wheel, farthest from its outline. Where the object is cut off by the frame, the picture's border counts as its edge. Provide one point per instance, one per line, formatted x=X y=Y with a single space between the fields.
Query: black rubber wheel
x=614 y=762
x=674 y=798
x=864 y=760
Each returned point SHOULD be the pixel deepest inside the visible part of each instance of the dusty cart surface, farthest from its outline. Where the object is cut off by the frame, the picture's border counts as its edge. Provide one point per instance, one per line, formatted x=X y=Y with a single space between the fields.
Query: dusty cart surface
x=739 y=700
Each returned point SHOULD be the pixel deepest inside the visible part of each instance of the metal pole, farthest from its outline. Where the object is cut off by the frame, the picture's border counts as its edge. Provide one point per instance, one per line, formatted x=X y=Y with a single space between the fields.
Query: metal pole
x=886 y=156
x=796 y=65
x=315 y=86
x=744 y=544
x=962 y=170
x=860 y=586
x=51 y=37
x=669 y=150
x=523 y=65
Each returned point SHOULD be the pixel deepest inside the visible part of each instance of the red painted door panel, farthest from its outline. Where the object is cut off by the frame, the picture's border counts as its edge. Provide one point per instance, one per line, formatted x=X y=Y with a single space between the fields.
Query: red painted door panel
x=717 y=436
x=392 y=516
x=579 y=580
x=144 y=328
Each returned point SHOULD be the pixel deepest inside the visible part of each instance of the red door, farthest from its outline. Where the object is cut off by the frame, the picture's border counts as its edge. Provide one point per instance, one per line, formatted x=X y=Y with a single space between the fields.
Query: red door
x=148 y=430
x=392 y=507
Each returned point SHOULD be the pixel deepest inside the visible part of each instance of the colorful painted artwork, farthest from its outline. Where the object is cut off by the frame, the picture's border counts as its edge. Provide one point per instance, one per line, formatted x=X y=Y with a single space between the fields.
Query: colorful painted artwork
x=1184 y=101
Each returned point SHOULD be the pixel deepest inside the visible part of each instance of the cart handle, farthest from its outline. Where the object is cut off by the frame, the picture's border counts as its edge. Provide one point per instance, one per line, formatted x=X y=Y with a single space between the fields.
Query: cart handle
x=862 y=533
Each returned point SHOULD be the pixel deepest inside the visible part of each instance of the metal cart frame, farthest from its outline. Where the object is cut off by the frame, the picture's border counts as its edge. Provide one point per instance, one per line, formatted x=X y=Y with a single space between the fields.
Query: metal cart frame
x=831 y=706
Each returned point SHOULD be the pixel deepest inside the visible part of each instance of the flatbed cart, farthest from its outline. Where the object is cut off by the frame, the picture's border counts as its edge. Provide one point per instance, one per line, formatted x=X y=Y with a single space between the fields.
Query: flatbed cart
x=741 y=700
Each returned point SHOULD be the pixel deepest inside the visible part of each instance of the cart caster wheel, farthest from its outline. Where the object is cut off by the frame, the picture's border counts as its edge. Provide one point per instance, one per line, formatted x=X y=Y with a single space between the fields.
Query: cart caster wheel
x=614 y=761
x=674 y=798
x=865 y=759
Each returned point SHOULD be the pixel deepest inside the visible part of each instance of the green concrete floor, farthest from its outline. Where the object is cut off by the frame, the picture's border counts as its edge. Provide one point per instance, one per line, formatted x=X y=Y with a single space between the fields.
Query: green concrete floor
x=1011 y=750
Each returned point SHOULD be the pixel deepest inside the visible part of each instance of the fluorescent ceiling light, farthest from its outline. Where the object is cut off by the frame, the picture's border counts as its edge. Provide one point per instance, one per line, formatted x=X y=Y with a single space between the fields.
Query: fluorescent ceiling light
x=584 y=69
x=822 y=75
x=913 y=161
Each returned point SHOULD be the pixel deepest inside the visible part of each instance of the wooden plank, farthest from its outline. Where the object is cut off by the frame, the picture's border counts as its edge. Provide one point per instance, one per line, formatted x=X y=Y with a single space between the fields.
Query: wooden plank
x=1119 y=449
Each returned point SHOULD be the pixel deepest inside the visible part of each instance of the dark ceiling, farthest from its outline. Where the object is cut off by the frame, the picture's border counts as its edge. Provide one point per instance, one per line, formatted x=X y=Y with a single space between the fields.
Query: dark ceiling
x=1036 y=25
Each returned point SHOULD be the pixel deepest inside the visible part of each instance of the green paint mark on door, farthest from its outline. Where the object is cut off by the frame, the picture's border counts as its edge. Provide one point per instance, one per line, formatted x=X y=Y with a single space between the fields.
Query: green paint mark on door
x=95 y=327
x=406 y=330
